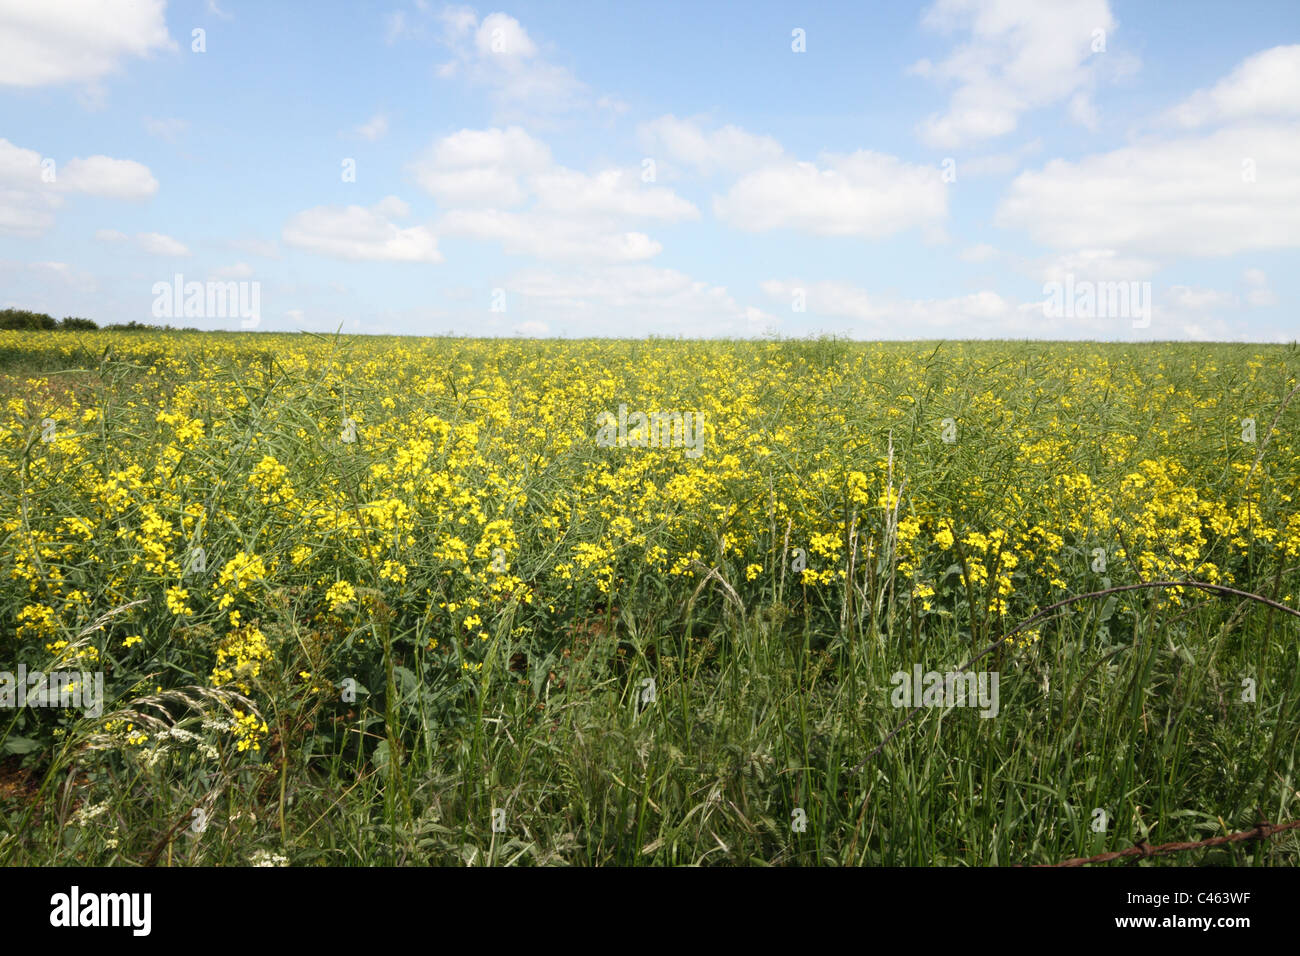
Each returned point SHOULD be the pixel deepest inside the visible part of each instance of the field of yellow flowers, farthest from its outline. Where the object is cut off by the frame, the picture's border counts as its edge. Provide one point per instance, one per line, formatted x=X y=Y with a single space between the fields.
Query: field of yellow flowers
x=405 y=601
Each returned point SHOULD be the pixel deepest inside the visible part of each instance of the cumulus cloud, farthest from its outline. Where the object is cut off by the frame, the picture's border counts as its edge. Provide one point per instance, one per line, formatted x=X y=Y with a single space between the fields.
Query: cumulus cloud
x=980 y=252
x=358 y=233
x=1197 y=299
x=27 y=199
x=1258 y=292
x=1181 y=312
x=997 y=164
x=76 y=41
x=1266 y=84
x=108 y=177
x=481 y=167
x=33 y=187
x=728 y=149
x=984 y=314
x=374 y=128
x=609 y=193
x=483 y=176
x=547 y=237
x=862 y=194
x=1017 y=55
x=635 y=299
x=1097 y=265
x=157 y=244
x=498 y=54
x=1232 y=191
x=532 y=329
x=153 y=243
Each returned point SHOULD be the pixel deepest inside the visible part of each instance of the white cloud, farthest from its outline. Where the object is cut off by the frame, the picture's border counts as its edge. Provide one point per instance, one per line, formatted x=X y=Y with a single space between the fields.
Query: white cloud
x=58 y=288
x=76 y=41
x=978 y=315
x=458 y=22
x=726 y=149
x=547 y=237
x=165 y=129
x=863 y=194
x=980 y=252
x=392 y=207
x=482 y=175
x=1266 y=84
x=635 y=299
x=997 y=164
x=1082 y=111
x=1020 y=55
x=502 y=35
x=499 y=55
x=360 y=234
x=157 y=244
x=1185 y=197
x=27 y=202
x=1197 y=299
x=1096 y=265
x=481 y=167
x=110 y=235
x=1258 y=293
x=532 y=329
x=374 y=128
x=108 y=177
x=983 y=314
x=612 y=193
x=1182 y=312
x=612 y=104
x=1205 y=331
x=32 y=189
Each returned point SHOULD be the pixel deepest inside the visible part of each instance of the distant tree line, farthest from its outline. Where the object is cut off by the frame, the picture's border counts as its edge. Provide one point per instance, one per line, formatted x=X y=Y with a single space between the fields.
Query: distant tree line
x=26 y=320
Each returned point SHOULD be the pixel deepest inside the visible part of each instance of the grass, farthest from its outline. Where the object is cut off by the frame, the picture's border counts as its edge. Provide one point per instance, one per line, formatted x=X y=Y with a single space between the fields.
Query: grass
x=580 y=698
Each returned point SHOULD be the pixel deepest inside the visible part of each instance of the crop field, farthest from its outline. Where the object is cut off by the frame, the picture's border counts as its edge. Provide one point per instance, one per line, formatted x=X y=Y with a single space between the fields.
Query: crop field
x=330 y=600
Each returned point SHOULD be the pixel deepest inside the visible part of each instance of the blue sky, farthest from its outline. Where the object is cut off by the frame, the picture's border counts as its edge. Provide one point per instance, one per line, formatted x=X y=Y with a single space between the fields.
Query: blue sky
x=679 y=169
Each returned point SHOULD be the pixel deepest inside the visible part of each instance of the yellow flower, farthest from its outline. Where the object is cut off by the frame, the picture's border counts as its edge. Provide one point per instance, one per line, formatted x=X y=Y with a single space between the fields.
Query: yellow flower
x=339 y=594
x=176 y=598
x=248 y=731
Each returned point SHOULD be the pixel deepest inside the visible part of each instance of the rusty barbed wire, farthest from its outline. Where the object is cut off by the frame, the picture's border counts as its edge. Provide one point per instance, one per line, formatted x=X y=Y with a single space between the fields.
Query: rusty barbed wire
x=1261 y=831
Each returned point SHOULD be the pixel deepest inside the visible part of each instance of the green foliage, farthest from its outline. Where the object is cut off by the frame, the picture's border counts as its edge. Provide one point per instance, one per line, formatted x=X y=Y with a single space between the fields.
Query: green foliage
x=769 y=690
x=25 y=319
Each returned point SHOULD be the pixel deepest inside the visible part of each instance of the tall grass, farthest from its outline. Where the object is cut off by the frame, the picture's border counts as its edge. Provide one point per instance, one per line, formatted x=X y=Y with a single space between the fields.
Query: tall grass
x=709 y=717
